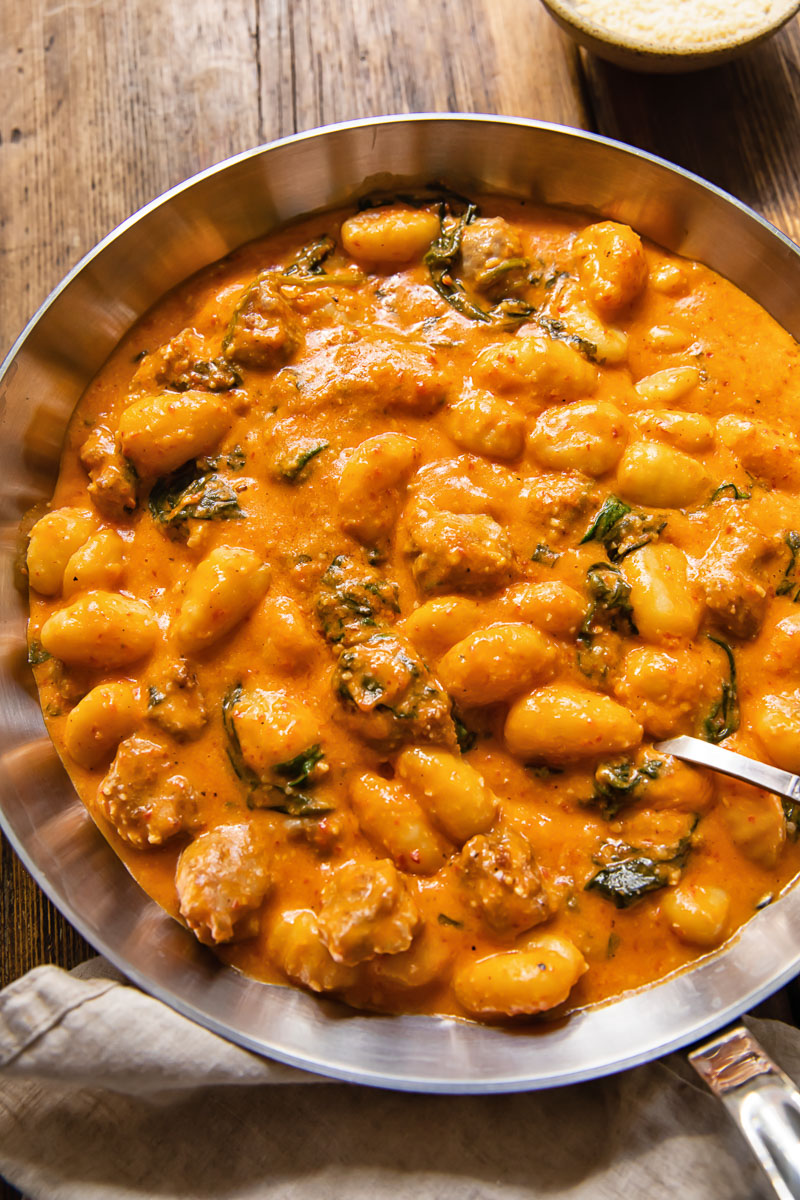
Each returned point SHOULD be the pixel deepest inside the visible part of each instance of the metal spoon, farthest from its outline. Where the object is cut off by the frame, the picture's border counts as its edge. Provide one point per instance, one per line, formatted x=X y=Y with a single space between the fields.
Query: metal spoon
x=729 y=762
x=761 y=1099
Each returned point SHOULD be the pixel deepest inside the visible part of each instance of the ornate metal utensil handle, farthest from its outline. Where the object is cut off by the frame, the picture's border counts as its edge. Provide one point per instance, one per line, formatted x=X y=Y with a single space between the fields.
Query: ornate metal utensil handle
x=762 y=1100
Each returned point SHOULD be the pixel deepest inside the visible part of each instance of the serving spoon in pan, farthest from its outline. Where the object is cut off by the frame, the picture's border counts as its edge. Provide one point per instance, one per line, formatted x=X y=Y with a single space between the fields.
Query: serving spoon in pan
x=761 y=1099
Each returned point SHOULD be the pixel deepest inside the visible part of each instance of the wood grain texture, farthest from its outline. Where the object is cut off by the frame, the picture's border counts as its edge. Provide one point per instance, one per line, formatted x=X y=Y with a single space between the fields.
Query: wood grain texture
x=106 y=103
x=737 y=125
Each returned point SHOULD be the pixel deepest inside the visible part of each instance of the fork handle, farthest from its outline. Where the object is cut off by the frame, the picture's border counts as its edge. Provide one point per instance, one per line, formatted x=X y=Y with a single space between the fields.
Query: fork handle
x=760 y=1098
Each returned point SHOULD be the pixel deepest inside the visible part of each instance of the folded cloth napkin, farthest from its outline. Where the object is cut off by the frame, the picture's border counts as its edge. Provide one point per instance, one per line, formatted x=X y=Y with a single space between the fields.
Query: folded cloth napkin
x=107 y=1093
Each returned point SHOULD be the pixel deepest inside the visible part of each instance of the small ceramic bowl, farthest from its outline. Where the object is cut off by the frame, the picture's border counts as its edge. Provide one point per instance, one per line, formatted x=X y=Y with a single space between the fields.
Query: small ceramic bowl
x=640 y=55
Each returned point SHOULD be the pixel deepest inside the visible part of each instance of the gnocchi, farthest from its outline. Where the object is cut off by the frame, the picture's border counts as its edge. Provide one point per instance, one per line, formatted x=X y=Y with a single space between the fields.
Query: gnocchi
x=382 y=553
x=226 y=585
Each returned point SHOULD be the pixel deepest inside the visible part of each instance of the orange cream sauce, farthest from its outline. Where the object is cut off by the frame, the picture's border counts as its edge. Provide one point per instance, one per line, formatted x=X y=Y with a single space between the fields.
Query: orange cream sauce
x=378 y=322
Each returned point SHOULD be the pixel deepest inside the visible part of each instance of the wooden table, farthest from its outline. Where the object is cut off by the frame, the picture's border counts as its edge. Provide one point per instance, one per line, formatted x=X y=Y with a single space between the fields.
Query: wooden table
x=106 y=103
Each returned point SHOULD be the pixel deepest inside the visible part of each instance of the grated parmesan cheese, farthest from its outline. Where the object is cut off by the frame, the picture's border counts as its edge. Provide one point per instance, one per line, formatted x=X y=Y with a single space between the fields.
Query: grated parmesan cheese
x=683 y=24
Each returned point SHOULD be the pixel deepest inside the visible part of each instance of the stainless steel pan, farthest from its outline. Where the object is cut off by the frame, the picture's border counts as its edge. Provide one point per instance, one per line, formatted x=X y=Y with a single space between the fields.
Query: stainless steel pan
x=40 y=382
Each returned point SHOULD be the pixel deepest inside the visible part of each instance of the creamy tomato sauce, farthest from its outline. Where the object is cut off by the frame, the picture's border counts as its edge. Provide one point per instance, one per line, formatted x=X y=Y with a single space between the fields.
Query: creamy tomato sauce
x=382 y=553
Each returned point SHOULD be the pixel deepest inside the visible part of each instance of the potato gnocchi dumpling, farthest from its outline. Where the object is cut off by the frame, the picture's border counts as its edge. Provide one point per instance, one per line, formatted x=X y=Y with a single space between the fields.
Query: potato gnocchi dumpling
x=382 y=553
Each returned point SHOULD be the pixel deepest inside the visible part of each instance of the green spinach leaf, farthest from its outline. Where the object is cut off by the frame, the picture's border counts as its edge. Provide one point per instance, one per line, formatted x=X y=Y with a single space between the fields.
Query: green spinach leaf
x=292 y=465
x=441 y=259
x=192 y=494
x=723 y=720
x=37 y=654
x=278 y=793
x=543 y=554
x=788 y=583
x=731 y=491
x=621 y=530
x=559 y=332
x=618 y=782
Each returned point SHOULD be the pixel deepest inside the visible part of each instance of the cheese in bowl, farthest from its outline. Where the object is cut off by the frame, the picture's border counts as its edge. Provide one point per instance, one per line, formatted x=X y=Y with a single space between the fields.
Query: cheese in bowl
x=381 y=554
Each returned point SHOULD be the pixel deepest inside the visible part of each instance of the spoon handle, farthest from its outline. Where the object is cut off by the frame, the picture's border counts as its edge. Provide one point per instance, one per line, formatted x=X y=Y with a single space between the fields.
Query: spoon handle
x=762 y=1100
x=704 y=754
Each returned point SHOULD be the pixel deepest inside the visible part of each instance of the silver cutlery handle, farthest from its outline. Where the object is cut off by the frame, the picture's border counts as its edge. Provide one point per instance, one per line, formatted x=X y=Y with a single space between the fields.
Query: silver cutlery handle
x=704 y=754
x=761 y=1099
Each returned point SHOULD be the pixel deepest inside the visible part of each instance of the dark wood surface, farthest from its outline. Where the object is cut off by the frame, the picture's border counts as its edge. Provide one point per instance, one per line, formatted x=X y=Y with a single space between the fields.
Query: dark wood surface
x=105 y=105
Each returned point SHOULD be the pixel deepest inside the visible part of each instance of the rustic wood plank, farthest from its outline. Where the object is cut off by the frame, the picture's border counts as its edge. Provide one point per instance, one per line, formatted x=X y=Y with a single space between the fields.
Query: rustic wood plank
x=737 y=125
x=327 y=62
x=111 y=104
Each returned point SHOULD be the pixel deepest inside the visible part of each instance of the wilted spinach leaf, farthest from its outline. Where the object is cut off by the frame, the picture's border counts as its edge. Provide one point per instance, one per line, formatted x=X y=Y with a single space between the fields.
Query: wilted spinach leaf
x=192 y=494
x=723 y=720
x=626 y=882
x=277 y=793
x=788 y=583
x=621 y=530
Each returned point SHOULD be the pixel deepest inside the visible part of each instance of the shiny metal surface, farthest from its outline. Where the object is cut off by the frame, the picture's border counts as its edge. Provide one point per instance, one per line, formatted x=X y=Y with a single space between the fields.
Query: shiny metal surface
x=42 y=379
x=729 y=762
x=761 y=1099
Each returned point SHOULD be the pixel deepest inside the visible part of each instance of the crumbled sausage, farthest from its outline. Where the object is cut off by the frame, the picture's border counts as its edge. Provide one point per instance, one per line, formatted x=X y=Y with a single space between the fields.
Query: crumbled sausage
x=176 y=704
x=264 y=332
x=502 y=881
x=367 y=910
x=141 y=799
x=222 y=878
x=182 y=364
x=730 y=577
x=492 y=258
x=466 y=552
x=389 y=694
x=112 y=479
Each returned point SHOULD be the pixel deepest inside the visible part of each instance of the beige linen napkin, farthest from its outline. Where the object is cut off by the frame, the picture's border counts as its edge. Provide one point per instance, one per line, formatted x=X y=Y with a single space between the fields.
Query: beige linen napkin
x=106 y=1094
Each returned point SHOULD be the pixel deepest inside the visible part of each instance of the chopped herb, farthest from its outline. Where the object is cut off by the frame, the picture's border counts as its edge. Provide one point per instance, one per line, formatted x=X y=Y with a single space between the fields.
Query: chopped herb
x=309 y=258
x=353 y=599
x=543 y=554
x=192 y=494
x=723 y=720
x=298 y=769
x=277 y=795
x=613 y=944
x=155 y=697
x=441 y=259
x=307 y=267
x=610 y=597
x=735 y=493
x=789 y=581
x=291 y=466
x=290 y=804
x=37 y=654
x=445 y=920
x=559 y=332
x=552 y=279
x=621 y=530
x=234 y=460
x=626 y=882
x=632 y=874
x=466 y=738
x=618 y=782
x=543 y=770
